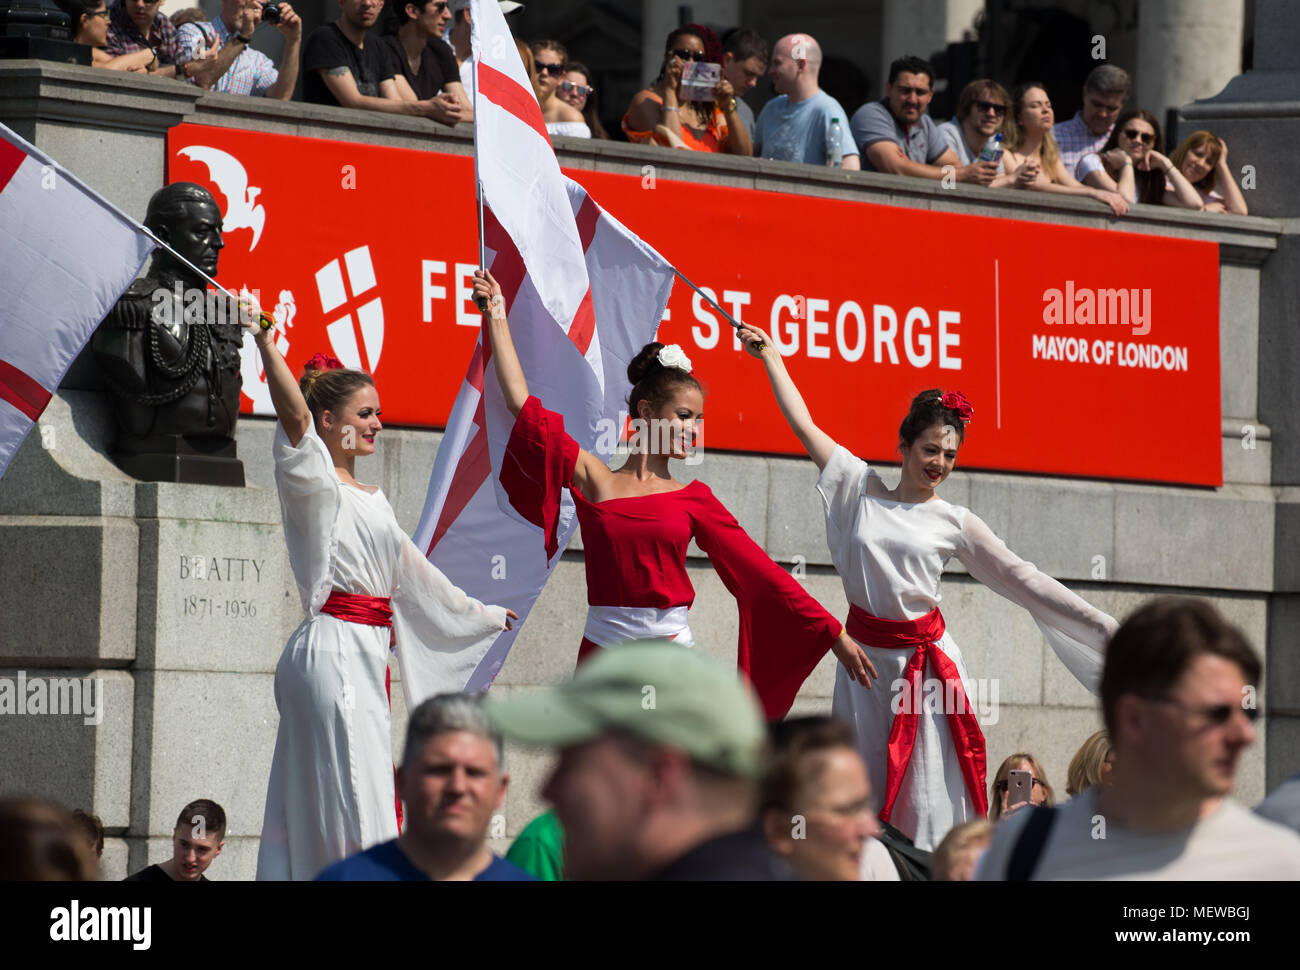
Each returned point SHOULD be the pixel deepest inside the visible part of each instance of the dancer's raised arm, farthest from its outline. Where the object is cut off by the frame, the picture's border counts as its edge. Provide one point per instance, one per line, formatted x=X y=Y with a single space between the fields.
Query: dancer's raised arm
x=290 y=406
x=589 y=471
x=816 y=442
x=487 y=294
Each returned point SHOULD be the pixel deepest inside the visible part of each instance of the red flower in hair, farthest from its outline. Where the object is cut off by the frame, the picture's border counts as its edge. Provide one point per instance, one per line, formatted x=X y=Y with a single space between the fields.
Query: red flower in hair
x=956 y=401
x=324 y=362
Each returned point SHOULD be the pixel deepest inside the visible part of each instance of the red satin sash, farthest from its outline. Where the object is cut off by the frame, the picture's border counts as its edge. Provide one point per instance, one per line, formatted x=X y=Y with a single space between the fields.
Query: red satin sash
x=369 y=611
x=355 y=608
x=921 y=635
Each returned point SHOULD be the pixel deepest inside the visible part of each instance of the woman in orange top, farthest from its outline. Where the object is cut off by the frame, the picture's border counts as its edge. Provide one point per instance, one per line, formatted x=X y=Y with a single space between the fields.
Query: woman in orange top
x=658 y=115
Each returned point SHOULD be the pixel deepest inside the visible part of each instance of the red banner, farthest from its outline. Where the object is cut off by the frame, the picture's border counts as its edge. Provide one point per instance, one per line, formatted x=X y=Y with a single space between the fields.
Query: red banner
x=1085 y=352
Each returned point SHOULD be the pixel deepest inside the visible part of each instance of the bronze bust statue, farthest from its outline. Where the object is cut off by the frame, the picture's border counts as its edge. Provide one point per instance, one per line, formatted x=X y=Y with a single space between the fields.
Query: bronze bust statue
x=169 y=350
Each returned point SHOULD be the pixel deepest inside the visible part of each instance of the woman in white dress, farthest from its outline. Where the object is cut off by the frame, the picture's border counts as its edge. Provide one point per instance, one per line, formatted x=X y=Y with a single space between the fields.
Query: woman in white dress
x=927 y=761
x=364 y=585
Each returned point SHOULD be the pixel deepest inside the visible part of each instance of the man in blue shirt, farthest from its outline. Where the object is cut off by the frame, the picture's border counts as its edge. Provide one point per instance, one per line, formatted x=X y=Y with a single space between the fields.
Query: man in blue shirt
x=452 y=782
x=796 y=126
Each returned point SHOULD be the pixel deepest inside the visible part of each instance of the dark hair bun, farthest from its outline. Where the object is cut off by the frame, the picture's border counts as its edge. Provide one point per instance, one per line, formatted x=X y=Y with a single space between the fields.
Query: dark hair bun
x=929 y=397
x=645 y=363
x=926 y=411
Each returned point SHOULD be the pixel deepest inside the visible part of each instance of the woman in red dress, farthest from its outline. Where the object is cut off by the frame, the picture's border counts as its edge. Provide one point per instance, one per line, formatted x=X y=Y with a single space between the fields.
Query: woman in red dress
x=637 y=523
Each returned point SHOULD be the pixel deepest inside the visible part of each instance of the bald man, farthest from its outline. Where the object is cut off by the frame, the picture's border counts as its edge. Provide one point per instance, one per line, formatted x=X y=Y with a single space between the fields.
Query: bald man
x=796 y=125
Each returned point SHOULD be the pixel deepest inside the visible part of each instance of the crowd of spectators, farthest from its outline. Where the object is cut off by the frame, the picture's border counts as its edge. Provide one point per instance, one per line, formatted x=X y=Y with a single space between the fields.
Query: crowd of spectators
x=415 y=58
x=696 y=787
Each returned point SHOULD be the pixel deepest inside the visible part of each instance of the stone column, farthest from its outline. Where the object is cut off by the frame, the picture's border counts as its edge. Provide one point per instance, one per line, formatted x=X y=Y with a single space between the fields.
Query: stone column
x=1258 y=115
x=921 y=27
x=1187 y=49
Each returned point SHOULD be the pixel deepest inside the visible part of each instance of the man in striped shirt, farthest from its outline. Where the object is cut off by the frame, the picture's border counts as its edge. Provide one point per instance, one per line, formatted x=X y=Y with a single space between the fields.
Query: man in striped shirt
x=1104 y=92
x=237 y=68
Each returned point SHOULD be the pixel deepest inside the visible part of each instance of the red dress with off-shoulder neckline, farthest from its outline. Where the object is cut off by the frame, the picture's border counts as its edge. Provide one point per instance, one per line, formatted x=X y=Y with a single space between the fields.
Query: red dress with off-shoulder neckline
x=635 y=556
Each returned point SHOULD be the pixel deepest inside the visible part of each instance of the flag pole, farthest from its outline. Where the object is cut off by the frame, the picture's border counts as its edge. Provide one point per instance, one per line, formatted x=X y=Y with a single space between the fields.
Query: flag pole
x=714 y=303
x=478 y=182
x=140 y=227
x=266 y=321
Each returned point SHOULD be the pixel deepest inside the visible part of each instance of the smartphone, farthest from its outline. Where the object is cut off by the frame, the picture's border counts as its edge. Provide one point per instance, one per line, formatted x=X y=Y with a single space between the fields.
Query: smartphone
x=1020 y=785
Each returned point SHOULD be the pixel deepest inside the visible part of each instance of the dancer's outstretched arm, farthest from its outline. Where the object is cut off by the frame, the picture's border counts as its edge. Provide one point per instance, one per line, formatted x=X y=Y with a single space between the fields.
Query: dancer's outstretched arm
x=590 y=471
x=290 y=406
x=816 y=442
x=510 y=373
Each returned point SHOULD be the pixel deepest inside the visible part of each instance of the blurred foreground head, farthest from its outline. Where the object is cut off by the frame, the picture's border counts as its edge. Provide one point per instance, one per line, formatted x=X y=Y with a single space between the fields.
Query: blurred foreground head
x=660 y=751
x=816 y=798
x=39 y=841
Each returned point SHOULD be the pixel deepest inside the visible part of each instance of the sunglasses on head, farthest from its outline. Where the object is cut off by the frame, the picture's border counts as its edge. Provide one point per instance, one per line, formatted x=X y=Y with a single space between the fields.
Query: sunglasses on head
x=581 y=90
x=1146 y=137
x=554 y=70
x=686 y=55
x=997 y=109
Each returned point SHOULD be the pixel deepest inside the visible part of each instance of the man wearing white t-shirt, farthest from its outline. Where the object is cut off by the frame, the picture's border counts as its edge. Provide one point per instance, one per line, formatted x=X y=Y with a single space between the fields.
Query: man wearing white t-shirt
x=1178 y=698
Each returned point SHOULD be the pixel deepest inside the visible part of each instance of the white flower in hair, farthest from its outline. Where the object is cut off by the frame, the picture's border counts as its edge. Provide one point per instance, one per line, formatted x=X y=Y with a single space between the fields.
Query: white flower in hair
x=673 y=356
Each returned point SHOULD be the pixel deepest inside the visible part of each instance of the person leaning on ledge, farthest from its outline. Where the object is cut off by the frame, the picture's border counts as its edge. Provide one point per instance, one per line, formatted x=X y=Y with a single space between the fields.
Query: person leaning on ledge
x=136 y=25
x=342 y=66
x=237 y=68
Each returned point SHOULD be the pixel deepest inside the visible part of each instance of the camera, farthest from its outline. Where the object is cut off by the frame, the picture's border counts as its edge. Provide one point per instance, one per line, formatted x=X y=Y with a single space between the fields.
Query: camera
x=270 y=13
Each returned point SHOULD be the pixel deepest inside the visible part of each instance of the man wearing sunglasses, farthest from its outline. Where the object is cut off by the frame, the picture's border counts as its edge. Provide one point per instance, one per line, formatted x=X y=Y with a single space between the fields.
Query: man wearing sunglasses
x=424 y=67
x=1178 y=697
x=981 y=114
x=896 y=135
x=1104 y=92
x=342 y=65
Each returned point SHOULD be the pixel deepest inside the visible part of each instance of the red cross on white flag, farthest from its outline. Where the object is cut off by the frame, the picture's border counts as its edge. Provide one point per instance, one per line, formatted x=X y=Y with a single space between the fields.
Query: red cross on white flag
x=68 y=256
x=584 y=295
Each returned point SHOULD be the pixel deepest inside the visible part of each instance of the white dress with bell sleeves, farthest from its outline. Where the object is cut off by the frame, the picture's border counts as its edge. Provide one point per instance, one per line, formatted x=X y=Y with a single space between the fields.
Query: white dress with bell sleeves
x=331 y=792
x=890 y=556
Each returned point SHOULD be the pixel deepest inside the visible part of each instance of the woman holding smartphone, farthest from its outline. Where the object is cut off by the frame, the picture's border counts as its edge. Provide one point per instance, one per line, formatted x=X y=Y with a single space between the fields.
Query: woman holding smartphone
x=658 y=114
x=364 y=585
x=638 y=521
x=889 y=546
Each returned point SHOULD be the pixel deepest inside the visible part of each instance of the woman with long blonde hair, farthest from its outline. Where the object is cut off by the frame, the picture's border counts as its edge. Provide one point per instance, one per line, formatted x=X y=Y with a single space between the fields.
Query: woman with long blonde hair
x=1033 y=155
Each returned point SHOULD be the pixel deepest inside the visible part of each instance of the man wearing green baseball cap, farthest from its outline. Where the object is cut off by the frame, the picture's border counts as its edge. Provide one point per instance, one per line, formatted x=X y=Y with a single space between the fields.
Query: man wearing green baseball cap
x=661 y=750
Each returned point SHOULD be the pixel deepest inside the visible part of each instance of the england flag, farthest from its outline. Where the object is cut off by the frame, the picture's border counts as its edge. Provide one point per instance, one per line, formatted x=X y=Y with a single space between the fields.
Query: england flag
x=68 y=256
x=583 y=295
